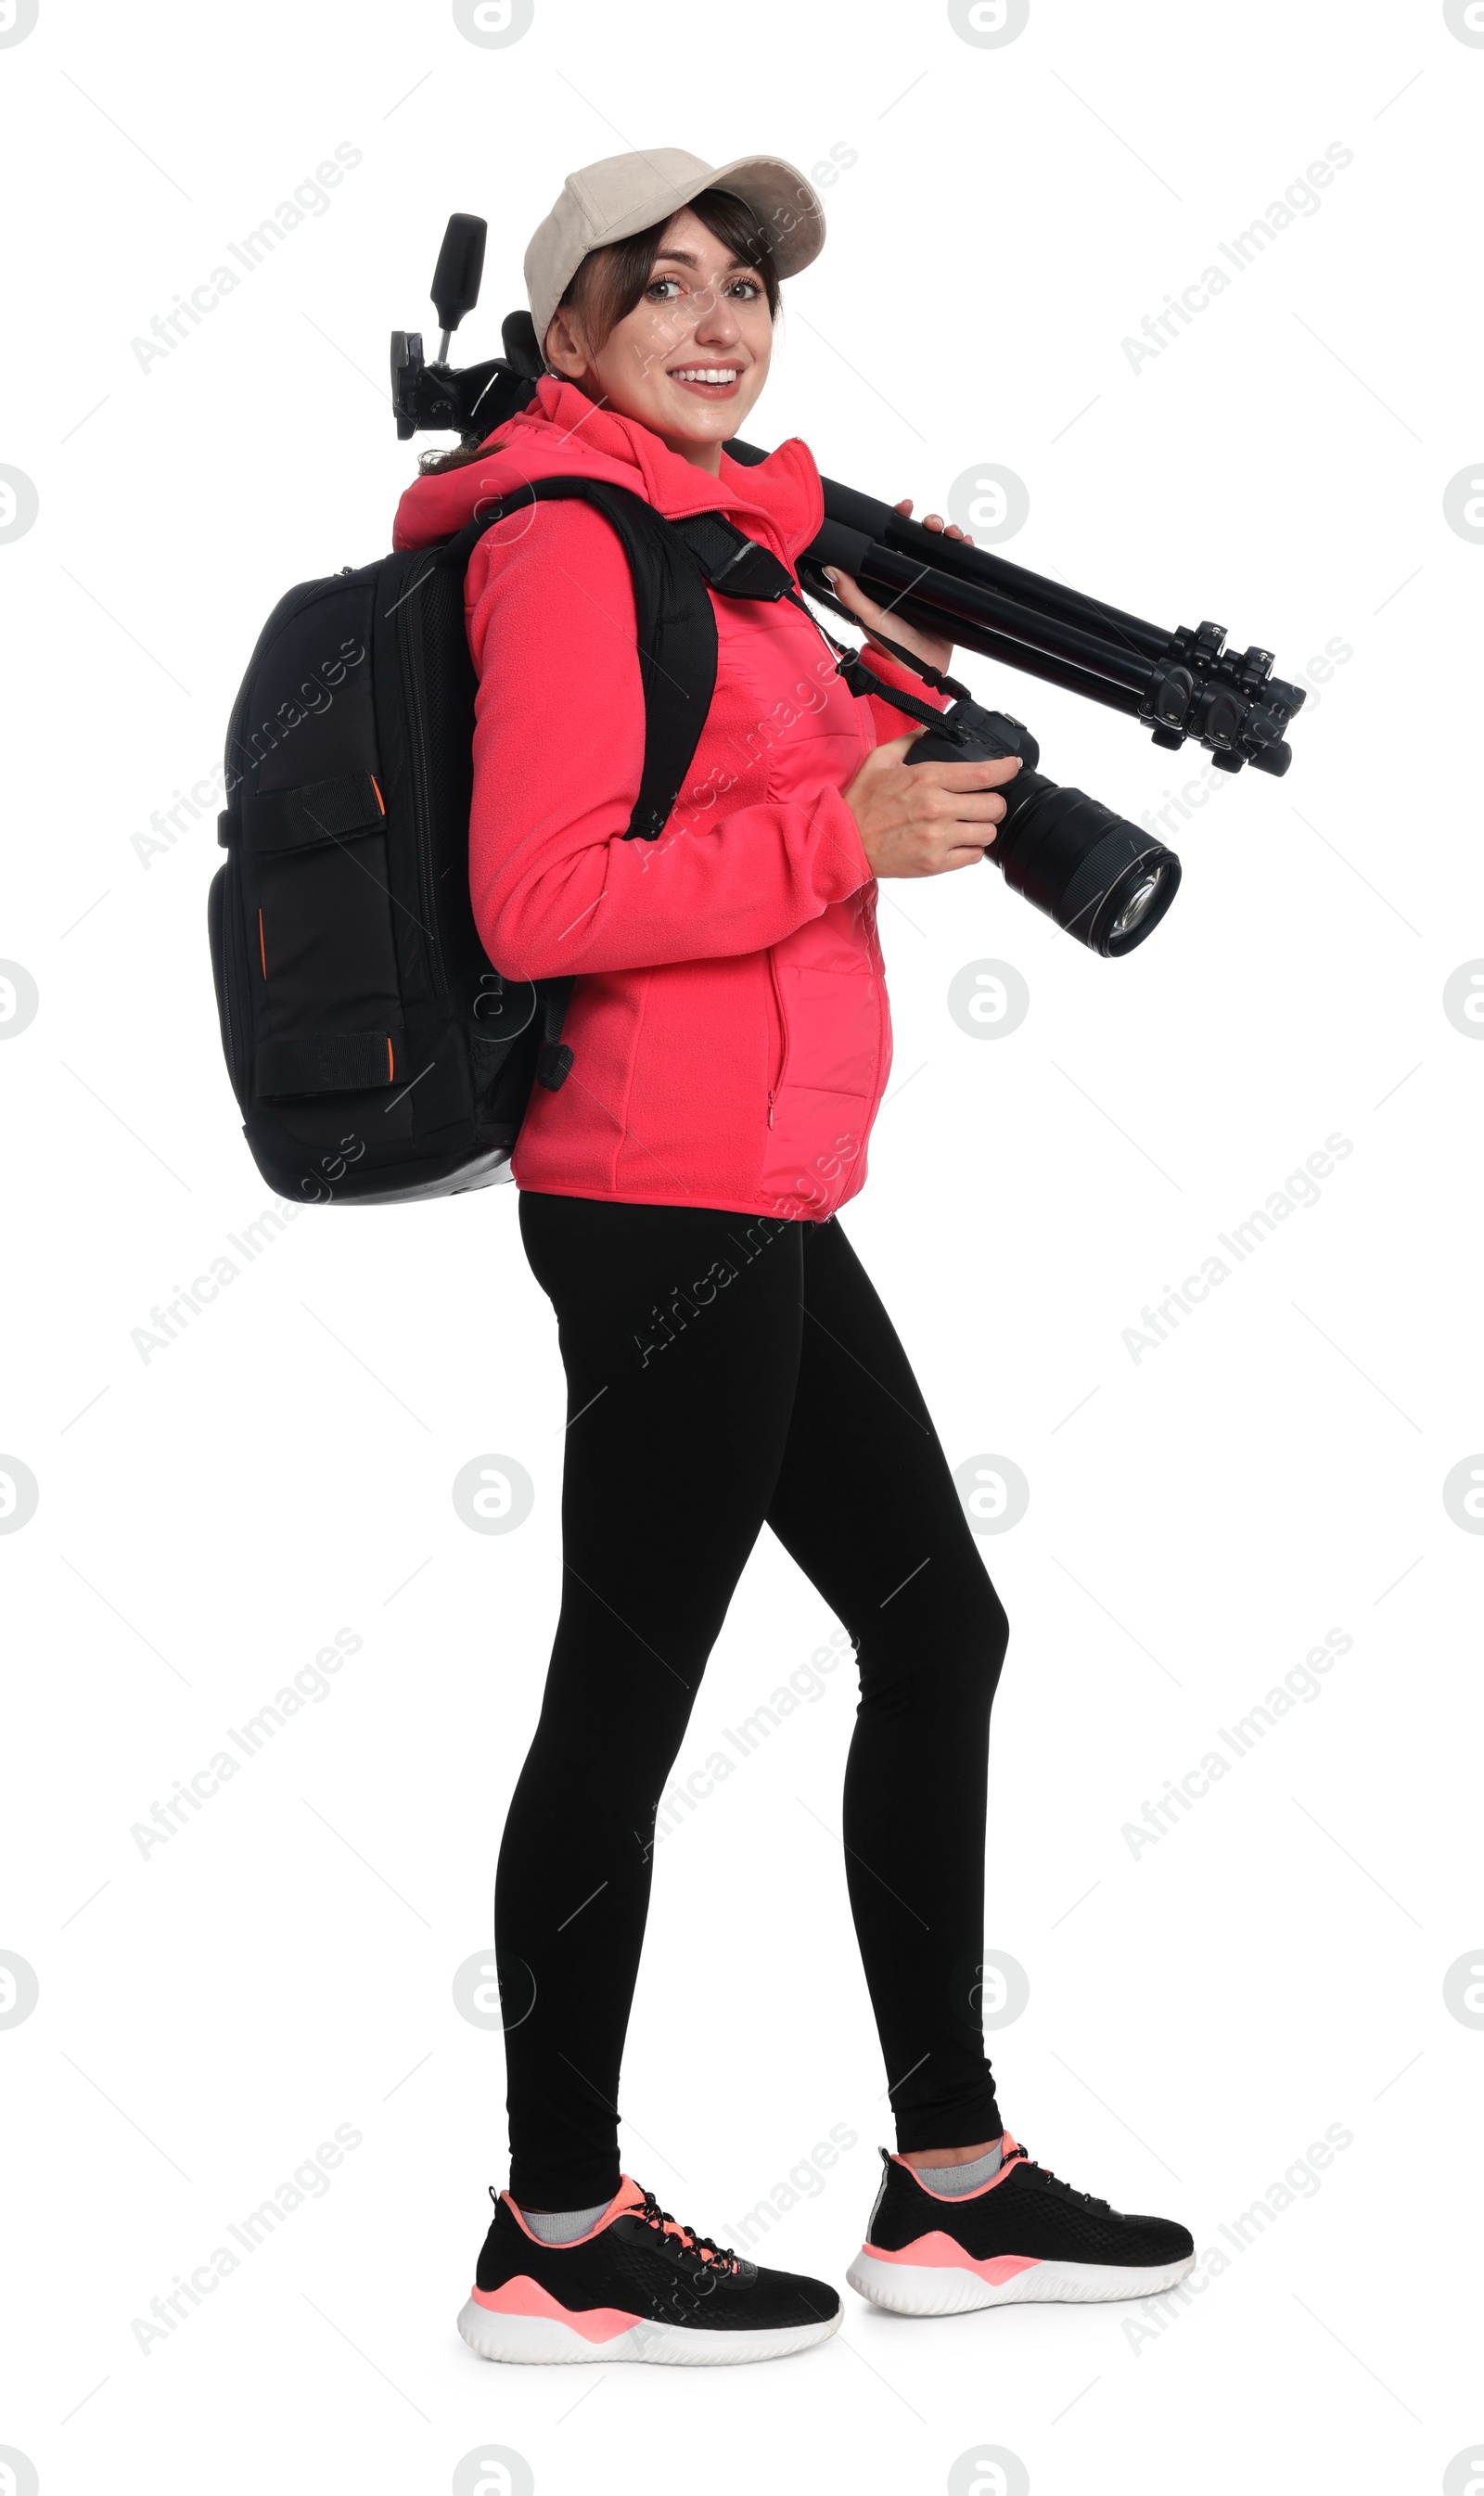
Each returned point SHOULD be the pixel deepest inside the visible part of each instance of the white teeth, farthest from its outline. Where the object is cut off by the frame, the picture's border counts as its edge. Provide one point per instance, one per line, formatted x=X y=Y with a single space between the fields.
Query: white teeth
x=710 y=373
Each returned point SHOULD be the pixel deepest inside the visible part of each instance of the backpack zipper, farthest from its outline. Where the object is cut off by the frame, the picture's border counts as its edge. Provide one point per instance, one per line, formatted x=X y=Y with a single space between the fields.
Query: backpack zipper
x=422 y=810
x=238 y=1010
x=292 y=604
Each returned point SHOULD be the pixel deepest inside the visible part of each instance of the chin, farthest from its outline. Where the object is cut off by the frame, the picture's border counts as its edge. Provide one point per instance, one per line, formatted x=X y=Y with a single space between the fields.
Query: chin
x=713 y=428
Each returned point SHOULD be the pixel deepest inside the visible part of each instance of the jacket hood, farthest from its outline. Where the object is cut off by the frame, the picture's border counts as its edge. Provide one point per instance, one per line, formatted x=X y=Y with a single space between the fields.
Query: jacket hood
x=560 y=433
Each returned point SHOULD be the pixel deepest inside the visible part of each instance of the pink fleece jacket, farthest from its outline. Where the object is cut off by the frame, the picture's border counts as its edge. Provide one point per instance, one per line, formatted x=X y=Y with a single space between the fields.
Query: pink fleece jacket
x=729 y=1027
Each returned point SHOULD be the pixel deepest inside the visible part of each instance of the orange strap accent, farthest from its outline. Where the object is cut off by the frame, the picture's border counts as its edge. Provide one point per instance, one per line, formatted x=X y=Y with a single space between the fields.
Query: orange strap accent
x=263 y=953
x=390 y=1063
x=376 y=785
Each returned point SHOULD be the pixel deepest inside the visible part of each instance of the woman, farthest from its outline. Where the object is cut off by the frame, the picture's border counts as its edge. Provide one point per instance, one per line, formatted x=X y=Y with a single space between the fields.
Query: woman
x=678 y=1205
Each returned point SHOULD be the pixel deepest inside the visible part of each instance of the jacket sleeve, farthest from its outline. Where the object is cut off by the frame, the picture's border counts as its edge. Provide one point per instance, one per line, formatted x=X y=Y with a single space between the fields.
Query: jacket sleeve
x=558 y=756
x=889 y=721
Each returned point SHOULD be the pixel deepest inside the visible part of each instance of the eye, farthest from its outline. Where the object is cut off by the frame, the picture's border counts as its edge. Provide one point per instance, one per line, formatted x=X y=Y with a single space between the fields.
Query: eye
x=751 y=288
x=656 y=283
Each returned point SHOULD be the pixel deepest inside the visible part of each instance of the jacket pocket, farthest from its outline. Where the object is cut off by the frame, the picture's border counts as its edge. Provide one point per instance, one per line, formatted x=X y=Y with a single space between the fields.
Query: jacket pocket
x=832 y=1020
x=820 y=1114
x=320 y=944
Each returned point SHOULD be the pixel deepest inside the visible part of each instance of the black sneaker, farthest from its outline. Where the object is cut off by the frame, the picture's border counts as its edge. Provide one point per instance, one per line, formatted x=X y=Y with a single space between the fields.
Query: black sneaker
x=637 y=2286
x=1023 y=2238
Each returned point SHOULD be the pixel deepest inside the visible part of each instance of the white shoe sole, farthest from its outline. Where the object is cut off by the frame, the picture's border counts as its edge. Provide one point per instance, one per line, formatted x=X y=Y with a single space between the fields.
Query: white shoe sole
x=910 y=2288
x=539 y=2340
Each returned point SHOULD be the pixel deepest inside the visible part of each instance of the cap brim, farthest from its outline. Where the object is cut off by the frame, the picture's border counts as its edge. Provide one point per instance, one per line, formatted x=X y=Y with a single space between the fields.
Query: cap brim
x=788 y=207
x=788 y=210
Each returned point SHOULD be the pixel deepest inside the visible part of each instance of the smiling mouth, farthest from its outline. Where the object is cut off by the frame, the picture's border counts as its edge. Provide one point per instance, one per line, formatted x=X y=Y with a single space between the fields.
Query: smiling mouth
x=714 y=380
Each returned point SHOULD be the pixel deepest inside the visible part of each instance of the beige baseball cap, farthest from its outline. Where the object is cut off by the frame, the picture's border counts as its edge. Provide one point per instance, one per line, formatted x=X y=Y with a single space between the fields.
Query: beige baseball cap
x=622 y=195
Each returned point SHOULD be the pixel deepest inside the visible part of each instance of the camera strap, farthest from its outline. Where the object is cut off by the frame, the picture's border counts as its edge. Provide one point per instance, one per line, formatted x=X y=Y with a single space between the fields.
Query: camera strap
x=864 y=680
x=736 y=566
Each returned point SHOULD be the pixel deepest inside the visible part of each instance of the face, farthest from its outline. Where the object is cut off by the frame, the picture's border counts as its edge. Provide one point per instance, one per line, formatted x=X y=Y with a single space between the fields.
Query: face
x=701 y=313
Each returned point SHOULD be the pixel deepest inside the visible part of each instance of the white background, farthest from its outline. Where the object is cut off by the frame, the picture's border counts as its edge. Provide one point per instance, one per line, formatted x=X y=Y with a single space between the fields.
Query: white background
x=1198 y=2014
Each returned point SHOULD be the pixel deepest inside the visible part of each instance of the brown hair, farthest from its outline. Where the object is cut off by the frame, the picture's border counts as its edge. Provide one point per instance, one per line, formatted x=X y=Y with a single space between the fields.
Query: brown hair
x=610 y=282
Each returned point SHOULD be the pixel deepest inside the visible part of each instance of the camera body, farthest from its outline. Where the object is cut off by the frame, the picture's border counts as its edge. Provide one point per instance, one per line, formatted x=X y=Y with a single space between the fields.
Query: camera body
x=971 y=733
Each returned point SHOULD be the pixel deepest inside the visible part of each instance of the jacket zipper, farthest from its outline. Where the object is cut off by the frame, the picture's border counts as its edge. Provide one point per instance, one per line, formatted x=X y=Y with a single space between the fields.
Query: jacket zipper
x=422 y=813
x=879 y=993
x=783 y=1035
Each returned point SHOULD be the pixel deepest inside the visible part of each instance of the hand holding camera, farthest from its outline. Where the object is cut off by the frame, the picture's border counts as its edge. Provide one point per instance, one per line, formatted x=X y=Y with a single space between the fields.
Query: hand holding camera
x=928 y=821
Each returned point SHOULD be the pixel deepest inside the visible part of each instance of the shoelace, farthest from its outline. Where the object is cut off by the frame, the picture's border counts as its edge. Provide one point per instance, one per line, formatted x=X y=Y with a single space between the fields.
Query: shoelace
x=1091 y=2199
x=702 y=2246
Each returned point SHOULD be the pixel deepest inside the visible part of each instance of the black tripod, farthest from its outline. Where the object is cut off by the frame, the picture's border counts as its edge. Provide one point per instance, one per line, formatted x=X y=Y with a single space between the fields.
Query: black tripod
x=1184 y=683
x=1099 y=878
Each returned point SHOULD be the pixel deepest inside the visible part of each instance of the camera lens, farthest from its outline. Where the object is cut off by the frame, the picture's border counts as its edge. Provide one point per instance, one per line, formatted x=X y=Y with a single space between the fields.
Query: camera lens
x=1101 y=879
x=1133 y=909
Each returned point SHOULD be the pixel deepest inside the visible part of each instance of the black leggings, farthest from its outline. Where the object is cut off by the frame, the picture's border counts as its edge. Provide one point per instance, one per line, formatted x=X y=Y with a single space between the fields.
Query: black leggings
x=724 y=1369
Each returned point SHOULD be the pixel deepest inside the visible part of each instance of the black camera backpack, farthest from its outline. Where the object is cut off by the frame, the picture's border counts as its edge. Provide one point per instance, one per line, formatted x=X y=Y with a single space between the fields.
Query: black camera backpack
x=376 y=1052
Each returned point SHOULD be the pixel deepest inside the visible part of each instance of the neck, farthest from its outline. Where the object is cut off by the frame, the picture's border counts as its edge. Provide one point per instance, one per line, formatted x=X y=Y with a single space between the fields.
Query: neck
x=706 y=456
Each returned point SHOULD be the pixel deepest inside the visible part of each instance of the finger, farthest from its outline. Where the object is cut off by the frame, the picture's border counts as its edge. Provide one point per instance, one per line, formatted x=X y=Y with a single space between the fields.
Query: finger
x=904 y=504
x=849 y=594
x=992 y=774
x=977 y=807
x=934 y=520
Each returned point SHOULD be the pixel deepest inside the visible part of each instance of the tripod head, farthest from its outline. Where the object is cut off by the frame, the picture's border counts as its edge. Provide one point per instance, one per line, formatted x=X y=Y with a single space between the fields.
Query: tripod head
x=1179 y=684
x=475 y=401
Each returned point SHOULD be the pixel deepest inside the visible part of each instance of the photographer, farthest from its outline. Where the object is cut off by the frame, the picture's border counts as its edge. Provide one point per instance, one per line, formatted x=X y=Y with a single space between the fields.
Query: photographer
x=679 y=1205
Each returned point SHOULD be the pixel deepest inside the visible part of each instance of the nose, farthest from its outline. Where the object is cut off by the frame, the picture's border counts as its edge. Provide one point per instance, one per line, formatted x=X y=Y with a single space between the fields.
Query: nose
x=717 y=323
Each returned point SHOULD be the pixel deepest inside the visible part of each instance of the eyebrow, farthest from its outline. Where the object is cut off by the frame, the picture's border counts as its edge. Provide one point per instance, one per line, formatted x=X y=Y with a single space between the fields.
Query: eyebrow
x=691 y=261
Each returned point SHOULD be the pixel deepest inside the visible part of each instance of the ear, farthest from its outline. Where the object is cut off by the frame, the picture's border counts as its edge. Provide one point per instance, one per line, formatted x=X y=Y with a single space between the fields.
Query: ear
x=564 y=350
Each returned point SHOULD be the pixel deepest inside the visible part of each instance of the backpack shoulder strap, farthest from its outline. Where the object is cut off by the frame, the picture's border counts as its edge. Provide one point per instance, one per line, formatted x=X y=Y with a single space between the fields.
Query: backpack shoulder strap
x=675 y=636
